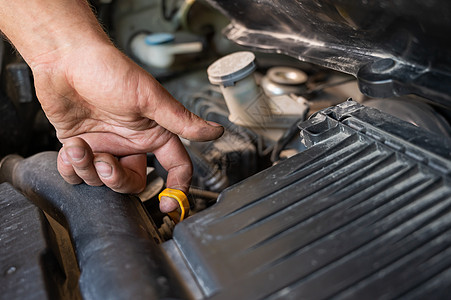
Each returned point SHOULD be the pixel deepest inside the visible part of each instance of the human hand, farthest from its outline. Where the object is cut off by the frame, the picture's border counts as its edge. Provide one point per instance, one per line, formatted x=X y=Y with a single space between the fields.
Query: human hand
x=108 y=113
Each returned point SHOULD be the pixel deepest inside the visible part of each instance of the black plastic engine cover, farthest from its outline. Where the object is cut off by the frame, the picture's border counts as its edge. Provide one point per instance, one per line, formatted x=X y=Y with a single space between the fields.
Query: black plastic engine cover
x=363 y=213
x=24 y=248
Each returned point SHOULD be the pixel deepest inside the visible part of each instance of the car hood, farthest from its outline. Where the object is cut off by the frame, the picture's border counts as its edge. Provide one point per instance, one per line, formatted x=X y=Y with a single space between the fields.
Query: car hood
x=392 y=47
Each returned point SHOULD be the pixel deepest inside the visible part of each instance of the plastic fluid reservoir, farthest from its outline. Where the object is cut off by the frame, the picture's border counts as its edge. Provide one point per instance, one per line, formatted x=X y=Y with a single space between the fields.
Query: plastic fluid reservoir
x=159 y=49
x=248 y=106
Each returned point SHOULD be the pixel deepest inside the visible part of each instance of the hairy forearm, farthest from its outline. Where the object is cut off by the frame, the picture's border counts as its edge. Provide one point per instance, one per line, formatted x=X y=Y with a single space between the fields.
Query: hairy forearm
x=42 y=30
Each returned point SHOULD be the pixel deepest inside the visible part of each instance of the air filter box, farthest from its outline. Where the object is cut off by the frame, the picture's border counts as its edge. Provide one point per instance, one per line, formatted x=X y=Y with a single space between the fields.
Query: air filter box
x=363 y=213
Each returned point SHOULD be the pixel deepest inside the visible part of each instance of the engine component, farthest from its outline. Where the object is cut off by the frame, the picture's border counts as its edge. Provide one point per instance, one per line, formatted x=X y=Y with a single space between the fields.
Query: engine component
x=364 y=212
x=136 y=16
x=159 y=49
x=241 y=151
x=24 y=247
x=233 y=157
x=415 y=112
x=247 y=104
x=21 y=87
x=208 y=171
x=194 y=24
x=13 y=133
x=23 y=126
x=167 y=228
x=284 y=80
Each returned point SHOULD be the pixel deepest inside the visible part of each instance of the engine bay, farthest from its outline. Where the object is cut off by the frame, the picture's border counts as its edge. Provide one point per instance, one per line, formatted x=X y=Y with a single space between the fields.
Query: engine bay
x=330 y=180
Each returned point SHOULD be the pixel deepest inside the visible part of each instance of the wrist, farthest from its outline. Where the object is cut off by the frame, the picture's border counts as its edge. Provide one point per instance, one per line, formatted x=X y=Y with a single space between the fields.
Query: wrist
x=64 y=49
x=44 y=31
x=59 y=39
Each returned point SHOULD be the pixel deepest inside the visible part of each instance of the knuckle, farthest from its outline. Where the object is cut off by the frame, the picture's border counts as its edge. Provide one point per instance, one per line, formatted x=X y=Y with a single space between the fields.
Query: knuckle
x=69 y=175
x=191 y=119
x=94 y=182
x=83 y=166
x=137 y=186
x=114 y=182
x=116 y=185
x=72 y=179
x=141 y=186
x=89 y=176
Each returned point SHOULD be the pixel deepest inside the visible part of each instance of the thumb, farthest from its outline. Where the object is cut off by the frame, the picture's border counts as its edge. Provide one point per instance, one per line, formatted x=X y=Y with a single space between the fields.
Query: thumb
x=173 y=116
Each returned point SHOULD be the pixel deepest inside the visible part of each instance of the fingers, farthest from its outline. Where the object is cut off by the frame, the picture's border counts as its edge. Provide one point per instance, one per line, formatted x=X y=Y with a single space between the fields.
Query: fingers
x=77 y=163
x=168 y=204
x=174 y=158
x=126 y=175
x=66 y=169
x=173 y=116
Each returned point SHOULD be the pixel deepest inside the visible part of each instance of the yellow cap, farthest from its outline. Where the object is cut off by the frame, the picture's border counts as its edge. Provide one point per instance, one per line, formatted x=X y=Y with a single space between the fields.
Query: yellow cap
x=181 y=199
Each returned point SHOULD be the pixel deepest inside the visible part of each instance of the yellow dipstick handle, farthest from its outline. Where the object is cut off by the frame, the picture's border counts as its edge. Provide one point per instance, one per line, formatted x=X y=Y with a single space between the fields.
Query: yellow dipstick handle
x=181 y=199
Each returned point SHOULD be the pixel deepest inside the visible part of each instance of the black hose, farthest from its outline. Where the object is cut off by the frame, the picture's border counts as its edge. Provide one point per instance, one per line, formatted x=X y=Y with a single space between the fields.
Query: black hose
x=113 y=238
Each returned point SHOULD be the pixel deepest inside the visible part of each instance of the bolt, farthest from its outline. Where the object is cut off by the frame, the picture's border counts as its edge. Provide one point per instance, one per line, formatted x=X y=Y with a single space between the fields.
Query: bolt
x=382 y=65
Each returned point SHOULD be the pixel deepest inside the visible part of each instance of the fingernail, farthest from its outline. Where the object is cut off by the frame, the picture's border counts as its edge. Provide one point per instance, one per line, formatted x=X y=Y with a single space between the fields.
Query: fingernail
x=64 y=157
x=103 y=169
x=75 y=153
x=168 y=204
x=214 y=124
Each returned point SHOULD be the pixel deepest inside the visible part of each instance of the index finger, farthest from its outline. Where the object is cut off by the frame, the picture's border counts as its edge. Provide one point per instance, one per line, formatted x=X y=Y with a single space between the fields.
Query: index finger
x=172 y=115
x=174 y=159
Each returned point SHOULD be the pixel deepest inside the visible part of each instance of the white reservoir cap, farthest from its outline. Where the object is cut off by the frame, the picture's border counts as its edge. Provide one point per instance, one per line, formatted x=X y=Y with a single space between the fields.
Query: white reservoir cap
x=231 y=68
